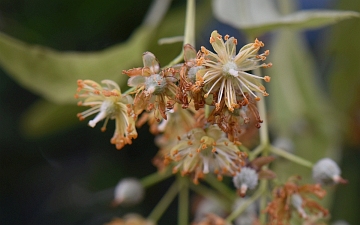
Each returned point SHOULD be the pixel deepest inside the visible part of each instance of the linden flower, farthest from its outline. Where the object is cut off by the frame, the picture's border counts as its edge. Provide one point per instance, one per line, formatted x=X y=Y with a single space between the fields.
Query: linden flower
x=108 y=103
x=225 y=72
x=153 y=86
x=203 y=150
x=189 y=88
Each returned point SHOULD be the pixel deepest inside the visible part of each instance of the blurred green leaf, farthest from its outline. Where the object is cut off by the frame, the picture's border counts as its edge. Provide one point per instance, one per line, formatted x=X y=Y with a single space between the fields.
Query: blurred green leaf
x=298 y=107
x=53 y=74
x=44 y=117
x=240 y=14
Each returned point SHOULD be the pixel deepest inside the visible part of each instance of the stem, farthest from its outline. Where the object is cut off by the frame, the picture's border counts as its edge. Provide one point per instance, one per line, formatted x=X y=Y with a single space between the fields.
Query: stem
x=155 y=178
x=291 y=157
x=259 y=149
x=263 y=200
x=264 y=142
x=164 y=203
x=183 y=211
x=241 y=208
x=206 y=192
x=189 y=32
x=129 y=90
x=225 y=190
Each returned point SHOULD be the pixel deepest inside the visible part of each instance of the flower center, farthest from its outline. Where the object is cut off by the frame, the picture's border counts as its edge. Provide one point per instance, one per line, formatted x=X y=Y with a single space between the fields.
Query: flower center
x=155 y=84
x=230 y=69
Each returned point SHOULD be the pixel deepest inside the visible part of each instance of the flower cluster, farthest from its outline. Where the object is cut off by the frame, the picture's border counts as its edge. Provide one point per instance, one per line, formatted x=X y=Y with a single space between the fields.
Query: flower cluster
x=193 y=139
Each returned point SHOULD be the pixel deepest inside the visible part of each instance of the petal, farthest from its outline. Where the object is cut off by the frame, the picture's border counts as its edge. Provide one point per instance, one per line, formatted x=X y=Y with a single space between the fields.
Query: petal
x=218 y=44
x=136 y=80
x=151 y=62
x=189 y=52
x=230 y=45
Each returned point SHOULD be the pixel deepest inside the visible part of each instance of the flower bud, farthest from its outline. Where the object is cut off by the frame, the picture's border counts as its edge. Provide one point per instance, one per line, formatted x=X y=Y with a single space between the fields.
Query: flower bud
x=246 y=179
x=128 y=191
x=327 y=172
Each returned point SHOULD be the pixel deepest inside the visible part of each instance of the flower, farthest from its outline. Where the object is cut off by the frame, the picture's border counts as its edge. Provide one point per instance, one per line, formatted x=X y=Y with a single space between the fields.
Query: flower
x=203 y=150
x=235 y=122
x=225 y=75
x=108 y=103
x=154 y=87
x=190 y=89
x=293 y=196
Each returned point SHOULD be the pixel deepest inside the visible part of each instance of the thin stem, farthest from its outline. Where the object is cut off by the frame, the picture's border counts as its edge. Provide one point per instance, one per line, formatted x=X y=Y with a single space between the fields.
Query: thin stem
x=183 y=214
x=263 y=200
x=206 y=192
x=164 y=203
x=258 y=150
x=291 y=157
x=246 y=204
x=155 y=178
x=129 y=90
x=225 y=190
x=189 y=32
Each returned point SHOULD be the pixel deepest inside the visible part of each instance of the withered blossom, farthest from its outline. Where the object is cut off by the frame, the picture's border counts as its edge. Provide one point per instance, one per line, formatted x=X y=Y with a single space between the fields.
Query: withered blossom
x=291 y=196
x=108 y=103
x=155 y=88
x=204 y=150
x=225 y=75
x=235 y=123
x=190 y=89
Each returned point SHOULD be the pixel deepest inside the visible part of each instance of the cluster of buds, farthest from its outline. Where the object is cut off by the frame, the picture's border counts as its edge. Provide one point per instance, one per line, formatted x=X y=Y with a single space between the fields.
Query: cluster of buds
x=172 y=100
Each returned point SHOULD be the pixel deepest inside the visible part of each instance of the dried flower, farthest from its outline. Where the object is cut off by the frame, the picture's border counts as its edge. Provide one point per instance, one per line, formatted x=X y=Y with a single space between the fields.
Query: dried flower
x=225 y=75
x=108 y=103
x=292 y=196
x=203 y=150
x=189 y=87
x=327 y=172
x=154 y=87
x=235 y=122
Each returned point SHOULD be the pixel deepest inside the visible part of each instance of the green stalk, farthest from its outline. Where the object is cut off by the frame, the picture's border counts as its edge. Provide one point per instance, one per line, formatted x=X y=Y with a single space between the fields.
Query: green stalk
x=222 y=188
x=155 y=178
x=240 y=209
x=291 y=157
x=189 y=32
x=183 y=210
x=164 y=203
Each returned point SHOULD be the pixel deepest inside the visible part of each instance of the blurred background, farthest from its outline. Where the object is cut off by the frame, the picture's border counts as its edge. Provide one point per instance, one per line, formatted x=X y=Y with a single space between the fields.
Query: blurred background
x=56 y=170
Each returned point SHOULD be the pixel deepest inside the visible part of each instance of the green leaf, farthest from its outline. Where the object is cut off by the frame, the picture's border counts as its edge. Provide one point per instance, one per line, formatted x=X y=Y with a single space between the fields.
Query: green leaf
x=298 y=107
x=257 y=17
x=299 y=110
x=53 y=74
x=44 y=118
